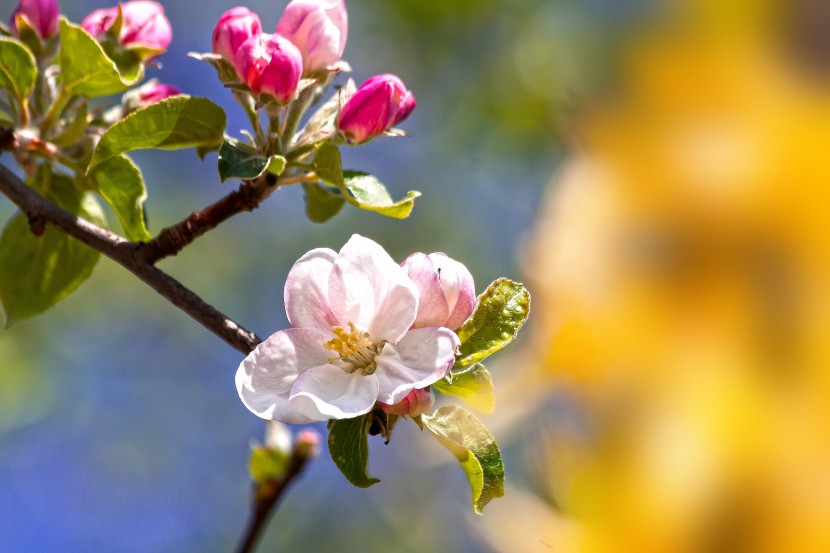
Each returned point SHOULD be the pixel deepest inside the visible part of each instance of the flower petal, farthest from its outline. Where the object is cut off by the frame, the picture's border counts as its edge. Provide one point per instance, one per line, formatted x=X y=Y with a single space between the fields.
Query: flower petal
x=329 y=392
x=264 y=379
x=306 y=291
x=433 y=309
x=369 y=289
x=421 y=358
x=459 y=288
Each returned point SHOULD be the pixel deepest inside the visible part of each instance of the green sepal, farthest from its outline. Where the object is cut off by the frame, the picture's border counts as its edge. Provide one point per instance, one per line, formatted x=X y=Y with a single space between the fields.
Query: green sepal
x=173 y=123
x=119 y=181
x=18 y=69
x=475 y=448
x=499 y=315
x=474 y=386
x=86 y=69
x=321 y=202
x=360 y=189
x=37 y=272
x=349 y=449
x=237 y=160
x=267 y=464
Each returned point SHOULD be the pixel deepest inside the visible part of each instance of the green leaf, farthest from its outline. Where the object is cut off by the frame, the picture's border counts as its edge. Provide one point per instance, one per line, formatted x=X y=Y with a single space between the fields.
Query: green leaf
x=239 y=161
x=321 y=202
x=499 y=315
x=267 y=464
x=360 y=189
x=86 y=69
x=173 y=123
x=18 y=69
x=72 y=133
x=475 y=386
x=119 y=182
x=349 y=448
x=38 y=272
x=475 y=448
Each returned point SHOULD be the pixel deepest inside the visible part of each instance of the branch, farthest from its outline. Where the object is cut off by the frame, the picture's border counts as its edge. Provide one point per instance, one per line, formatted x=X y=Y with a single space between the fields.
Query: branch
x=172 y=240
x=129 y=255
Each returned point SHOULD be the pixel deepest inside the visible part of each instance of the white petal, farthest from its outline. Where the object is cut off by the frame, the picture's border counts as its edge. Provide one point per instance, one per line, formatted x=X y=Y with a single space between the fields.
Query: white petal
x=370 y=290
x=329 y=392
x=459 y=288
x=432 y=303
x=419 y=359
x=306 y=291
x=264 y=379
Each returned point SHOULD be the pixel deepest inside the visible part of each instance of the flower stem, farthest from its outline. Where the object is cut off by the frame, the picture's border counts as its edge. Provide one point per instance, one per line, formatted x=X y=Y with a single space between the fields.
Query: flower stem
x=55 y=111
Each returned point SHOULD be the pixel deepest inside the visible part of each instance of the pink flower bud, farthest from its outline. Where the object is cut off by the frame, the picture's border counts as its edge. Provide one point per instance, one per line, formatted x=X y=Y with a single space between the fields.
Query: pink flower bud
x=269 y=64
x=149 y=93
x=144 y=24
x=42 y=15
x=417 y=402
x=318 y=28
x=308 y=443
x=380 y=103
x=446 y=290
x=234 y=27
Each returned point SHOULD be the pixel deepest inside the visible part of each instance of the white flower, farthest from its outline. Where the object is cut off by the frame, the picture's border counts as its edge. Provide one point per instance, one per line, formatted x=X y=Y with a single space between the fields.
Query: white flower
x=351 y=343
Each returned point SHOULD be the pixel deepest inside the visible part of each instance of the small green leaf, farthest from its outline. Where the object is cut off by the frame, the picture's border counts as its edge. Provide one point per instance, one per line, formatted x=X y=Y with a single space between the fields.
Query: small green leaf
x=86 y=69
x=239 y=161
x=475 y=386
x=119 y=182
x=499 y=315
x=267 y=464
x=18 y=69
x=173 y=123
x=38 y=272
x=475 y=448
x=349 y=448
x=72 y=132
x=360 y=189
x=321 y=202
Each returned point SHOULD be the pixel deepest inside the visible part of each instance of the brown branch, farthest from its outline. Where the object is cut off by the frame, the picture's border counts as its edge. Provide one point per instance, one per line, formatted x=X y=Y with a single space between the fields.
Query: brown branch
x=41 y=211
x=172 y=240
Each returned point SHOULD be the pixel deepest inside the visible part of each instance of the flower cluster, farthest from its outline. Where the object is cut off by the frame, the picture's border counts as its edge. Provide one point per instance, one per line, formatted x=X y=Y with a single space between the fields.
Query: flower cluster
x=364 y=330
x=308 y=43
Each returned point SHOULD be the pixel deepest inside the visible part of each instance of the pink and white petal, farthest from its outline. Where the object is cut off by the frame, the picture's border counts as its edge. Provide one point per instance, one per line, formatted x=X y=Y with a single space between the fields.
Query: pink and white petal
x=433 y=309
x=370 y=290
x=329 y=392
x=419 y=359
x=306 y=291
x=459 y=288
x=265 y=377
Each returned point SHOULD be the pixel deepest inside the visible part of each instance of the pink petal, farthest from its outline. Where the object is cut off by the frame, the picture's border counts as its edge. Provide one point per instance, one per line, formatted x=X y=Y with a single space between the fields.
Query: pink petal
x=432 y=304
x=307 y=290
x=329 y=392
x=264 y=379
x=421 y=358
x=459 y=288
x=369 y=289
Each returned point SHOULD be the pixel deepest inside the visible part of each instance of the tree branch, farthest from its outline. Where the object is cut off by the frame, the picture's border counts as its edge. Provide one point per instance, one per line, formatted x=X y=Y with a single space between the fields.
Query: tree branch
x=172 y=240
x=41 y=211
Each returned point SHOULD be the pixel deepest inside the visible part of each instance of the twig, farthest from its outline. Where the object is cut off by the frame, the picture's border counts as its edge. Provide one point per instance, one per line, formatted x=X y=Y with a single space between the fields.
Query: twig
x=266 y=495
x=39 y=210
x=172 y=240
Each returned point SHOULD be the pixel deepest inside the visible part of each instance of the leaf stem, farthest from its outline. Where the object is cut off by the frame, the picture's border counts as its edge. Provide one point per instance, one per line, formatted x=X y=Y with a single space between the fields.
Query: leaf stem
x=55 y=111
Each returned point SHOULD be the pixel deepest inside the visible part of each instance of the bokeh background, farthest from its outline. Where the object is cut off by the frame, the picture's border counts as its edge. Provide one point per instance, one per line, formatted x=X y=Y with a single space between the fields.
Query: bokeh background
x=656 y=172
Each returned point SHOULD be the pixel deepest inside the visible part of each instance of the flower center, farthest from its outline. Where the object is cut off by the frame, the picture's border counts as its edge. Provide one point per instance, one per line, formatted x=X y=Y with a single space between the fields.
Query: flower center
x=356 y=349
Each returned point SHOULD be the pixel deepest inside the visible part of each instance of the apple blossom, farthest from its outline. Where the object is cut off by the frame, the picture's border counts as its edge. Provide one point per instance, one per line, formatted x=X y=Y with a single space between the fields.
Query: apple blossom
x=416 y=402
x=42 y=15
x=234 y=27
x=318 y=28
x=380 y=103
x=351 y=343
x=269 y=64
x=446 y=288
x=144 y=24
x=147 y=94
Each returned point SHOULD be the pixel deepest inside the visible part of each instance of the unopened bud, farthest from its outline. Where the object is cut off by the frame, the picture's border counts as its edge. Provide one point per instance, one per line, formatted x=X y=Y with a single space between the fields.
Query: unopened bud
x=318 y=28
x=42 y=16
x=380 y=103
x=148 y=94
x=417 y=402
x=270 y=64
x=234 y=27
